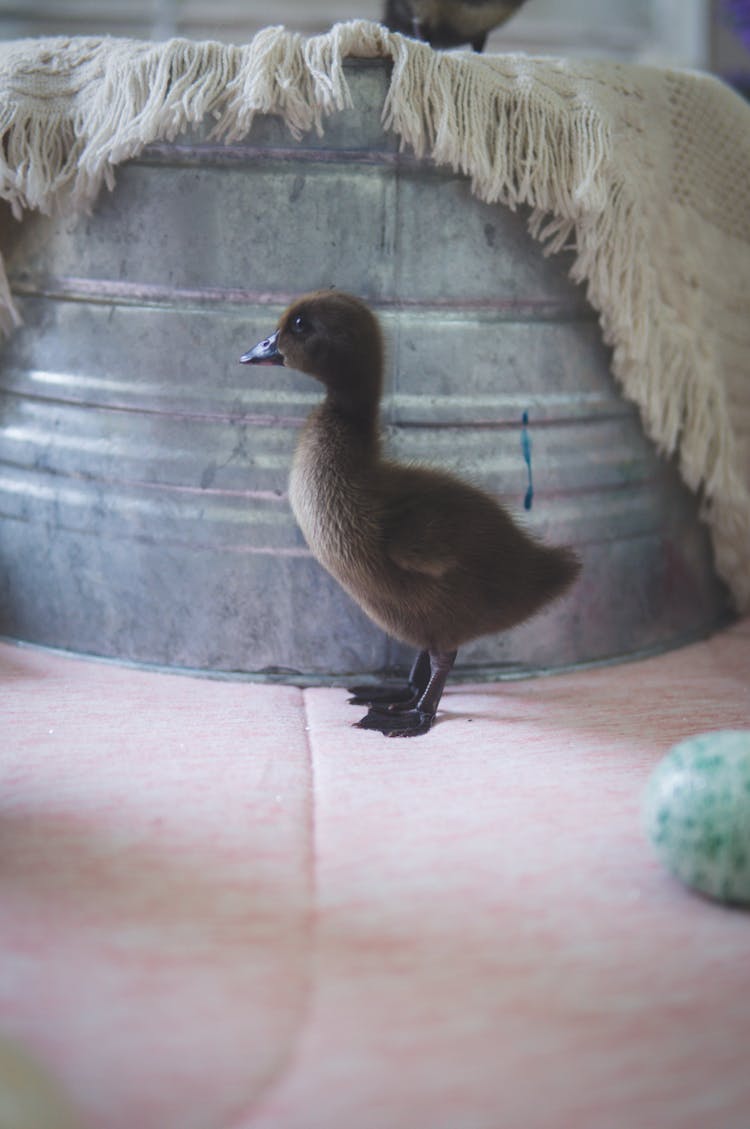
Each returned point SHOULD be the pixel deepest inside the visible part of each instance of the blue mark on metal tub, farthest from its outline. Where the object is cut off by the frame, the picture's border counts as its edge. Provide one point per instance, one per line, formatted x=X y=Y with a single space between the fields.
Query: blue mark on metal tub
x=526 y=451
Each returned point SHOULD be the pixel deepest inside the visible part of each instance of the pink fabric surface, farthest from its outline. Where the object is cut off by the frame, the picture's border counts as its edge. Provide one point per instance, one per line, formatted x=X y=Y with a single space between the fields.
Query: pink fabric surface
x=221 y=906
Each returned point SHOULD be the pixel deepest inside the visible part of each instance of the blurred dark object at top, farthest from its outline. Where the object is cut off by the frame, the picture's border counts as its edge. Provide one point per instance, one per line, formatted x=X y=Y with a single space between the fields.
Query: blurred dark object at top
x=735 y=15
x=738 y=12
x=449 y=23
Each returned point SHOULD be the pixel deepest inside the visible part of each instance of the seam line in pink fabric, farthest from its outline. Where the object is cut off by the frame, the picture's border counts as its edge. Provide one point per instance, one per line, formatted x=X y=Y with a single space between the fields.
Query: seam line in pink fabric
x=288 y=1063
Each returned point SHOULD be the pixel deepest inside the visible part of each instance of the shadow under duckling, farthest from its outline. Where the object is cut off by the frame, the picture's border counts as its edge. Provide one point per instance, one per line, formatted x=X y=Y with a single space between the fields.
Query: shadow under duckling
x=431 y=559
x=449 y=23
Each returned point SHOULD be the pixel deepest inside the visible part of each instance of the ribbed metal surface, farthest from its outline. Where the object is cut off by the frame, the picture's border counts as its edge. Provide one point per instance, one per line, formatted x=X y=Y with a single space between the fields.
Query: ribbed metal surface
x=143 y=470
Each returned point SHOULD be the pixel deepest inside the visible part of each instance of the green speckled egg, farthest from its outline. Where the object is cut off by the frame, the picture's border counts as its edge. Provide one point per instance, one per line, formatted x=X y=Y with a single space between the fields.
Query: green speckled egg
x=697 y=813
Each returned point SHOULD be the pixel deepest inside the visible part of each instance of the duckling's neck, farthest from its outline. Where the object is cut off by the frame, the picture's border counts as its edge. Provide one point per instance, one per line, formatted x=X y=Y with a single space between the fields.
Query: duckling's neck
x=344 y=444
x=353 y=401
x=359 y=422
x=334 y=466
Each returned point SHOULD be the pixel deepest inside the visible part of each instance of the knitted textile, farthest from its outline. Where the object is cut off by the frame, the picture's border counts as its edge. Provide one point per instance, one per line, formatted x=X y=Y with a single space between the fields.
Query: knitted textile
x=645 y=172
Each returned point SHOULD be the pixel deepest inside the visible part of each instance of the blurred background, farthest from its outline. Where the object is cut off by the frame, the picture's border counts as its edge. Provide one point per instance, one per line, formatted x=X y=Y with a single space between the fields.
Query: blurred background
x=693 y=33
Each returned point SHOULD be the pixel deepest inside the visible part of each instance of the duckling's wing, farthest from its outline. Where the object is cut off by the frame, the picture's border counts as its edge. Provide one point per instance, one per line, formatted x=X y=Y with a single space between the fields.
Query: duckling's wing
x=415 y=556
x=420 y=527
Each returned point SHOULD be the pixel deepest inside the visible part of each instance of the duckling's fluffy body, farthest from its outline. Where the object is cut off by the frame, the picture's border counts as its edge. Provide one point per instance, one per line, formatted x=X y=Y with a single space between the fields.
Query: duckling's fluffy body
x=449 y=23
x=433 y=560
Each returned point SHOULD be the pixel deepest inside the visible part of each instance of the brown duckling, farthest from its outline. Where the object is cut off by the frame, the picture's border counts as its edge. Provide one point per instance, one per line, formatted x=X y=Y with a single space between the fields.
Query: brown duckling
x=432 y=560
x=449 y=23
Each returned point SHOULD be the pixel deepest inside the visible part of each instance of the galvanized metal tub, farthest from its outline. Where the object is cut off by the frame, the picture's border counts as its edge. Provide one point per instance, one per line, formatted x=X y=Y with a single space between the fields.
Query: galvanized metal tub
x=143 y=470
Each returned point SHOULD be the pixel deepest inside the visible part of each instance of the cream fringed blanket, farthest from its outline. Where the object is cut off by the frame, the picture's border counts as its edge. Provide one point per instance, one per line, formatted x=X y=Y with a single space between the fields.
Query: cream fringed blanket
x=645 y=172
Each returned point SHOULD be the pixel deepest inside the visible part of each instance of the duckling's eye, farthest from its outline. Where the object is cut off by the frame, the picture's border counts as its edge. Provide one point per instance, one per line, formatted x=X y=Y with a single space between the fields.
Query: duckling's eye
x=300 y=324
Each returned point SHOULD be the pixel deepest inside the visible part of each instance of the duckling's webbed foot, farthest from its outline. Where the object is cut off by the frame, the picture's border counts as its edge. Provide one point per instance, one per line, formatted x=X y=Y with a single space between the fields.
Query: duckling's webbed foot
x=402 y=696
x=405 y=722
x=397 y=723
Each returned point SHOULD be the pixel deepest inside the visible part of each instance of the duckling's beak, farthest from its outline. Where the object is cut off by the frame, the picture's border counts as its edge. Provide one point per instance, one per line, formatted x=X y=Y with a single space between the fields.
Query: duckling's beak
x=264 y=353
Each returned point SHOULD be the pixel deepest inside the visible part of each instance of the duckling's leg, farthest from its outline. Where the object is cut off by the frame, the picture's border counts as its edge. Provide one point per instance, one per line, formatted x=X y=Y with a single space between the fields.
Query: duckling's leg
x=407 y=695
x=414 y=722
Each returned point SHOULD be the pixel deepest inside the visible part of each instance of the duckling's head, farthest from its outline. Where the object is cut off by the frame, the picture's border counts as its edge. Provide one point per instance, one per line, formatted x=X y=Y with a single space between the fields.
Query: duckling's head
x=334 y=337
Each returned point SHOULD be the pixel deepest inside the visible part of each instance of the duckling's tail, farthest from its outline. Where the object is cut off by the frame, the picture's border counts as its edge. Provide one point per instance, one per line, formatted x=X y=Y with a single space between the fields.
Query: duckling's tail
x=556 y=569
